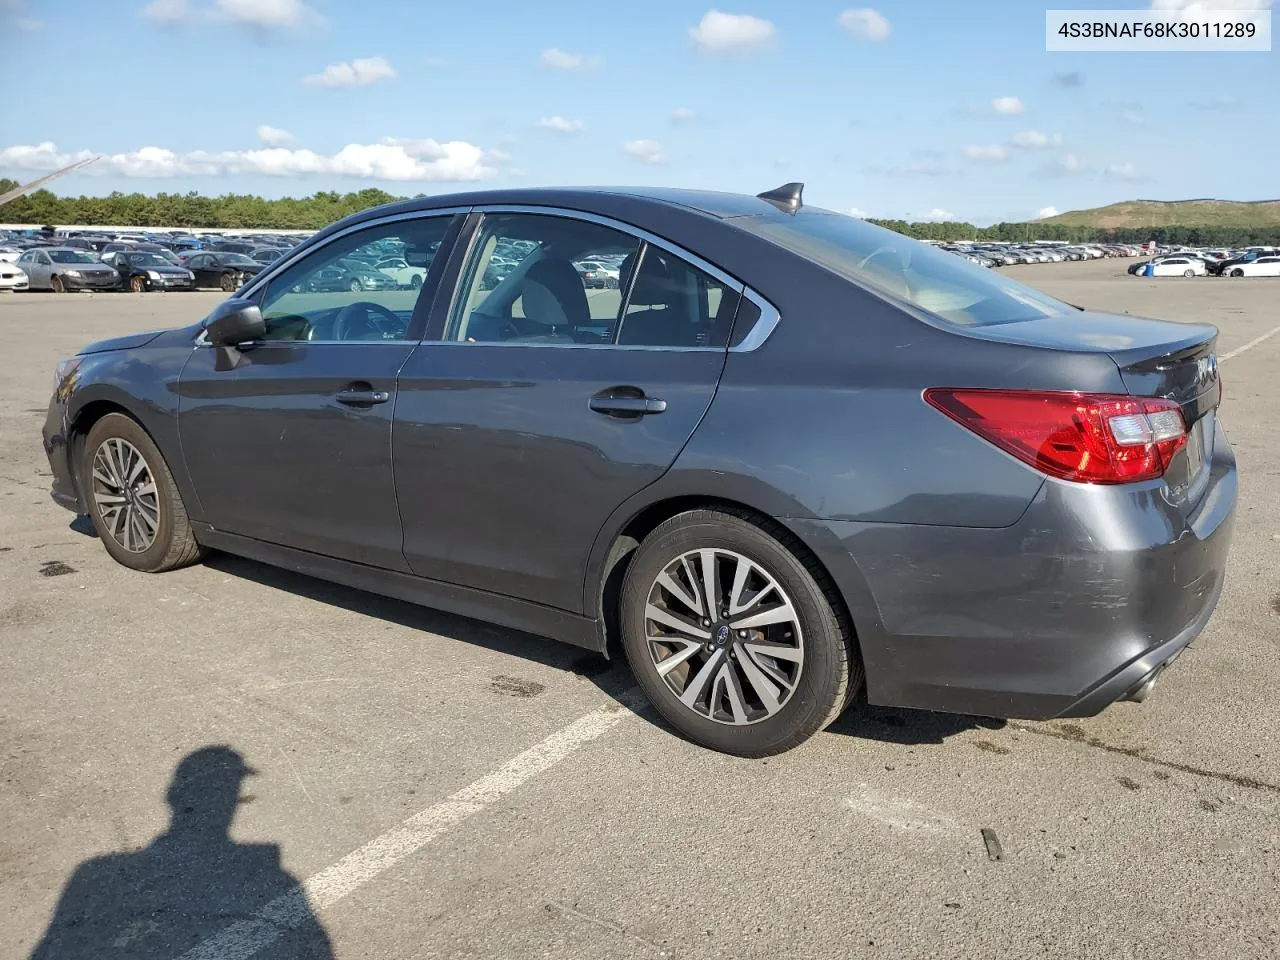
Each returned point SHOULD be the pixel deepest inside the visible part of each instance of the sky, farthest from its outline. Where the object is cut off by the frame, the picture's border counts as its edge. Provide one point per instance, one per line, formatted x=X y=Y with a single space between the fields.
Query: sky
x=916 y=109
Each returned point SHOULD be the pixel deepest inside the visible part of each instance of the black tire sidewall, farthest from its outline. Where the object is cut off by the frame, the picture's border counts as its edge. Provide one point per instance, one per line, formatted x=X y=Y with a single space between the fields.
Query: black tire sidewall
x=118 y=425
x=825 y=673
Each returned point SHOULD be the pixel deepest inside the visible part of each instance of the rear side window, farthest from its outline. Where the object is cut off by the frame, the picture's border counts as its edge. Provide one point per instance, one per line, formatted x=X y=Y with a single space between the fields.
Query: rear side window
x=939 y=283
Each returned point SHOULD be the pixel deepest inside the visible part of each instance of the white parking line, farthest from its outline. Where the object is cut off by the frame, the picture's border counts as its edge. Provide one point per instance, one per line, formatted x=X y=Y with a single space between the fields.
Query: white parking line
x=244 y=938
x=1250 y=345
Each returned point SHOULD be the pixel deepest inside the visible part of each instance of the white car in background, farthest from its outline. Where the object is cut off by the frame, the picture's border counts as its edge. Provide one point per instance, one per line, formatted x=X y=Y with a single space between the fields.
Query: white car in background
x=10 y=254
x=1268 y=266
x=399 y=270
x=13 y=277
x=1177 y=266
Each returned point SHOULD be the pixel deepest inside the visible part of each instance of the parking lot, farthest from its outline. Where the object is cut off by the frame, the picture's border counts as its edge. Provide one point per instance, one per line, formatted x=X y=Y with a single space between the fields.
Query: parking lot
x=444 y=788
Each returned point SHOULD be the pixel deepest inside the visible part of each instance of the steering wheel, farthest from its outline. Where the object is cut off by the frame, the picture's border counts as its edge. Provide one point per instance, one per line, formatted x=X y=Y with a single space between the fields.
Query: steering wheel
x=356 y=321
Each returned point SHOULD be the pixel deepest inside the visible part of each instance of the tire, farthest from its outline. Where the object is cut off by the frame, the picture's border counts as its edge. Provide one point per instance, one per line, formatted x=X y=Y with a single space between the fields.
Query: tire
x=172 y=543
x=731 y=715
x=56 y=285
x=1188 y=273
x=355 y=286
x=138 y=284
x=228 y=283
x=415 y=282
x=1237 y=272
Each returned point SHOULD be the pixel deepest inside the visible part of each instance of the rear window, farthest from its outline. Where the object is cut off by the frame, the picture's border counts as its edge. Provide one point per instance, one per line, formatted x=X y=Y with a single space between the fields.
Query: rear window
x=940 y=283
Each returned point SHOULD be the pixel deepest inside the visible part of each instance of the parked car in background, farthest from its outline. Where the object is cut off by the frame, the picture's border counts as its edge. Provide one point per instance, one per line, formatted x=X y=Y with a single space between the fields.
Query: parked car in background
x=13 y=277
x=10 y=253
x=234 y=246
x=399 y=270
x=226 y=271
x=1179 y=265
x=1265 y=266
x=62 y=269
x=348 y=274
x=141 y=271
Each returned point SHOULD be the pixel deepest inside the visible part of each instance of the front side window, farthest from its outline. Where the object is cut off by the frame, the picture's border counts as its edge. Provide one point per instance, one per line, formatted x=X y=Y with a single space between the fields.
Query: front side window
x=334 y=292
x=541 y=279
x=946 y=286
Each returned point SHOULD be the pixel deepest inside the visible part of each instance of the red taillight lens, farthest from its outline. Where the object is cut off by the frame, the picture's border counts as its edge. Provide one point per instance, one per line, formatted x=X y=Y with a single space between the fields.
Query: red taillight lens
x=1085 y=437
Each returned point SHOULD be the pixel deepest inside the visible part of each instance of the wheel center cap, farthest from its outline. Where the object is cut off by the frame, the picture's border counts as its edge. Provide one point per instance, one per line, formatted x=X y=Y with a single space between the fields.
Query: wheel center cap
x=721 y=634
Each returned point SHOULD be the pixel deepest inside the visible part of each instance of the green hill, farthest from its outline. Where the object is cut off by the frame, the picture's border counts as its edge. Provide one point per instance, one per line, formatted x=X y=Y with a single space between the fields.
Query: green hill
x=1174 y=213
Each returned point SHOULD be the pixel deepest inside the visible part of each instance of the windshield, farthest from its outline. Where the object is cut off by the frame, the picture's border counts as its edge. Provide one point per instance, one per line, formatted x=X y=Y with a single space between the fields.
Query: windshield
x=148 y=260
x=235 y=258
x=942 y=284
x=71 y=256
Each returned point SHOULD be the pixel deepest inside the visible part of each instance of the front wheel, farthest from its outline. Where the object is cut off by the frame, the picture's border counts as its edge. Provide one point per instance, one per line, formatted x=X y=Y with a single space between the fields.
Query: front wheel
x=1237 y=272
x=228 y=283
x=138 y=284
x=733 y=637
x=1188 y=273
x=415 y=282
x=134 y=504
x=355 y=286
x=56 y=285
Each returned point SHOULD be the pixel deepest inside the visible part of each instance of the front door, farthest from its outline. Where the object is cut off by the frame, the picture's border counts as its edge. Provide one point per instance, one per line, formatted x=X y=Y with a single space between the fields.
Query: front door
x=293 y=445
x=544 y=405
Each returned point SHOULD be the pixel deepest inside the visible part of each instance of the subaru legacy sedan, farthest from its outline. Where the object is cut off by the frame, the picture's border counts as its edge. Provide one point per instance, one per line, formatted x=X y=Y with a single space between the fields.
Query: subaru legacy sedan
x=790 y=461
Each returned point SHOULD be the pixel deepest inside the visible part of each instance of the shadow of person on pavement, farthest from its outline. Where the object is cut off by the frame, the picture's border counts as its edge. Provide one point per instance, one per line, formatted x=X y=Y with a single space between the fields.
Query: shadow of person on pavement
x=188 y=884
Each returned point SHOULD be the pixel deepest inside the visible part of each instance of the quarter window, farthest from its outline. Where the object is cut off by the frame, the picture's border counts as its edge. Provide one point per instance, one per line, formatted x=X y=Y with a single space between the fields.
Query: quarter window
x=338 y=292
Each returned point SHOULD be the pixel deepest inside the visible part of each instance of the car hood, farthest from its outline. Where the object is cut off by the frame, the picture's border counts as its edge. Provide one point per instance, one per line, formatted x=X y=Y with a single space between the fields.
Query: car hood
x=121 y=343
x=171 y=268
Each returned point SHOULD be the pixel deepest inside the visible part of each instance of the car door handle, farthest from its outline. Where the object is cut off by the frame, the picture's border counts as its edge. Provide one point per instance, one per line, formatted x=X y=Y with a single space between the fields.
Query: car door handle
x=362 y=398
x=613 y=404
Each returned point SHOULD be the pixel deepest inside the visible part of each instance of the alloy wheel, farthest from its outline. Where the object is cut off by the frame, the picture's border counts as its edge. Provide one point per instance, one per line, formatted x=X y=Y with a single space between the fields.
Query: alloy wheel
x=724 y=636
x=126 y=496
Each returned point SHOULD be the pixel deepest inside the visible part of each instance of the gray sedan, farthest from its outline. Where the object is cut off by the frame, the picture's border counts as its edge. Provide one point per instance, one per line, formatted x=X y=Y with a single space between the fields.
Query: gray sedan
x=61 y=269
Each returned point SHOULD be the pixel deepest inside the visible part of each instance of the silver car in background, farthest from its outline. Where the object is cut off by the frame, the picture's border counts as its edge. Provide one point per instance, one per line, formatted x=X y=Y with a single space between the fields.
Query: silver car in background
x=61 y=269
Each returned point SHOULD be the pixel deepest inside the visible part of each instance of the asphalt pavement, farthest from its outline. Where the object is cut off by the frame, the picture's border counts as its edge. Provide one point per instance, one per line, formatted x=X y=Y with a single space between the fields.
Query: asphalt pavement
x=444 y=788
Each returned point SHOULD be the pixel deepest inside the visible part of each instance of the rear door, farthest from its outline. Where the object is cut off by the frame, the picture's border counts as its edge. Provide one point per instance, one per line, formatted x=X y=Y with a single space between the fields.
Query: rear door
x=535 y=406
x=293 y=445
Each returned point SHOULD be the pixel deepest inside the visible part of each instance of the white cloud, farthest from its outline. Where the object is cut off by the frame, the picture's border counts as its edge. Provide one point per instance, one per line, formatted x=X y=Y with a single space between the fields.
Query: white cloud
x=1066 y=165
x=391 y=159
x=360 y=72
x=937 y=214
x=1007 y=105
x=558 y=124
x=274 y=136
x=1134 y=116
x=720 y=32
x=1123 y=171
x=167 y=11
x=860 y=214
x=646 y=151
x=557 y=59
x=266 y=14
x=865 y=23
x=1035 y=139
x=683 y=115
x=992 y=152
x=1045 y=212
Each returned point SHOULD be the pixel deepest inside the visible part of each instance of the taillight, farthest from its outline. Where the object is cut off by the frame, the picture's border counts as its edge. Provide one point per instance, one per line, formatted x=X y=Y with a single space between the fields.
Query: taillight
x=1085 y=437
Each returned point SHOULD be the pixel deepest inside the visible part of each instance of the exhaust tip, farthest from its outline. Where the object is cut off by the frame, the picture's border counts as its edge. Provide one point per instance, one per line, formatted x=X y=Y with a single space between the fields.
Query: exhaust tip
x=1147 y=684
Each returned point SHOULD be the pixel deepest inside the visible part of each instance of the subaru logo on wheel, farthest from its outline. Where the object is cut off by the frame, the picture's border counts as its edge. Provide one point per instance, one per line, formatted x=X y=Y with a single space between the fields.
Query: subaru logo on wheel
x=722 y=633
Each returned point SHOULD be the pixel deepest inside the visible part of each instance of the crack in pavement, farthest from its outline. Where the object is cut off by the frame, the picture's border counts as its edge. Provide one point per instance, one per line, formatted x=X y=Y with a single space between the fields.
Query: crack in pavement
x=1076 y=735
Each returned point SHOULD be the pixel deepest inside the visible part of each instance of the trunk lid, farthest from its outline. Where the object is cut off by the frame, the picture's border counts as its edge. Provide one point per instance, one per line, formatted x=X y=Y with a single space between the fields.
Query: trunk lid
x=1156 y=358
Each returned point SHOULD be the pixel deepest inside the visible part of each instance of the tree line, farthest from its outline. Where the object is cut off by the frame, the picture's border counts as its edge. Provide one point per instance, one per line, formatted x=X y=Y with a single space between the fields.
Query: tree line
x=194 y=210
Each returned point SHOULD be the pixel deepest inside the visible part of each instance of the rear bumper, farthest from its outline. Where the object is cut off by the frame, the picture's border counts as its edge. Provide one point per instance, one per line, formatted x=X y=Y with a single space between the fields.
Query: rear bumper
x=1060 y=614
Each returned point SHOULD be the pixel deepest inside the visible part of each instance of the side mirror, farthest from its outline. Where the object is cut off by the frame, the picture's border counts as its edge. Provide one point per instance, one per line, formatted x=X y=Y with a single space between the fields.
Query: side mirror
x=234 y=322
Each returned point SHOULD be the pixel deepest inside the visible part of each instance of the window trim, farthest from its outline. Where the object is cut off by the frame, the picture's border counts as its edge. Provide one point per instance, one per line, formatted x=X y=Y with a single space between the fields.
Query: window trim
x=769 y=315
x=264 y=277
